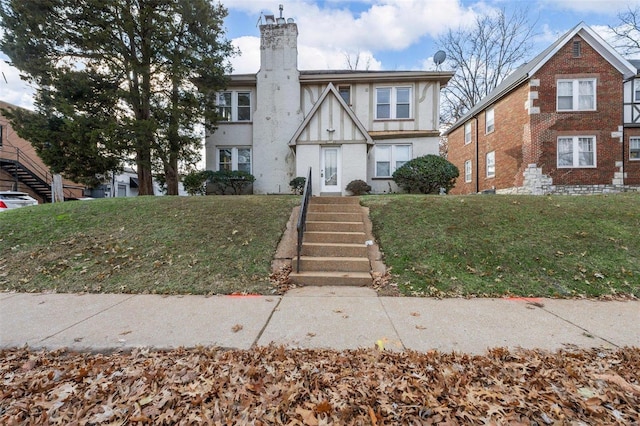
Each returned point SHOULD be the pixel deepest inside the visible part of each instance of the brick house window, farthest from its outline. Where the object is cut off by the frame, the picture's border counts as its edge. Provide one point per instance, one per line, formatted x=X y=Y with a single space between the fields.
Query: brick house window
x=491 y=164
x=389 y=158
x=577 y=49
x=393 y=103
x=234 y=106
x=467 y=133
x=634 y=149
x=489 y=120
x=576 y=151
x=576 y=95
x=234 y=158
x=467 y=171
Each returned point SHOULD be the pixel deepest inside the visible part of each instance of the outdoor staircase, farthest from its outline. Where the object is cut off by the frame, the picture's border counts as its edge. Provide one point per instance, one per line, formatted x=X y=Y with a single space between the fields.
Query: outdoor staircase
x=333 y=250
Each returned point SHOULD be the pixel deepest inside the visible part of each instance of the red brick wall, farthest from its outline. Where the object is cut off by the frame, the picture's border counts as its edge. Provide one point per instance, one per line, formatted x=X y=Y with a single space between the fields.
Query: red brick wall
x=547 y=126
x=510 y=134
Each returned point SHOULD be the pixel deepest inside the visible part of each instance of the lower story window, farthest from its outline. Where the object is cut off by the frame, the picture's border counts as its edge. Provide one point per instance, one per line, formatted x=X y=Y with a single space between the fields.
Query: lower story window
x=467 y=171
x=491 y=164
x=389 y=158
x=634 y=149
x=576 y=151
x=234 y=159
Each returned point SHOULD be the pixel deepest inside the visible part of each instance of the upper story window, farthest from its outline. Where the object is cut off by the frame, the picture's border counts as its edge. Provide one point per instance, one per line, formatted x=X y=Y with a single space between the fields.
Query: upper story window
x=234 y=159
x=389 y=158
x=467 y=171
x=576 y=151
x=345 y=93
x=634 y=149
x=234 y=106
x=576 y=95
x=491 y=164
x=393 y=103
x=1 y=134
x=577 y=49
x=636 y=90
x=467 y=133
x=490 y=120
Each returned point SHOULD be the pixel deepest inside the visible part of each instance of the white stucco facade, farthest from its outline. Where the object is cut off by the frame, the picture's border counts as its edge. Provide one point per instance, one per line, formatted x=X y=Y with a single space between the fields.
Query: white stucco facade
x=345 y=125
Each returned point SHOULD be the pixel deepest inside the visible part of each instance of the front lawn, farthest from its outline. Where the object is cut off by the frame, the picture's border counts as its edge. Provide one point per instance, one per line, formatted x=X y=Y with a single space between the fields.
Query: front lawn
x=183 y=245
x=521 y=245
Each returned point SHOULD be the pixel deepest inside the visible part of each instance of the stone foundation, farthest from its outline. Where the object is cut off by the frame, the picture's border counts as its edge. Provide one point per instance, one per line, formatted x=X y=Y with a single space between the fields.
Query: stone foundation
x=537 y=183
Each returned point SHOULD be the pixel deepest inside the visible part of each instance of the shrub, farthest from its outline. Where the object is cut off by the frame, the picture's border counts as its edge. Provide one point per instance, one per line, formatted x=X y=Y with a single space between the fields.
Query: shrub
x=195 y=182
x=426 y=175
x=231 y=181
x=297 y=185
x=358 y=187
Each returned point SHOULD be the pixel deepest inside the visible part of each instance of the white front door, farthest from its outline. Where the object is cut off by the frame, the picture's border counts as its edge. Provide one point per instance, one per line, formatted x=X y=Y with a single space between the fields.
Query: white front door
x=330 y=169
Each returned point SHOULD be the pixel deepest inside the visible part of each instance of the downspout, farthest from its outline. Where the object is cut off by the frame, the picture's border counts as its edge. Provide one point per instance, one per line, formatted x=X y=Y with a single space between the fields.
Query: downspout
x=477 y=157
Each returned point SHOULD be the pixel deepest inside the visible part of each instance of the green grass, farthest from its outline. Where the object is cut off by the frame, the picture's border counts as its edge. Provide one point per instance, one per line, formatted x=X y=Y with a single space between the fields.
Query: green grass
x=185 y=245
x=520 y=245
x=435 y=245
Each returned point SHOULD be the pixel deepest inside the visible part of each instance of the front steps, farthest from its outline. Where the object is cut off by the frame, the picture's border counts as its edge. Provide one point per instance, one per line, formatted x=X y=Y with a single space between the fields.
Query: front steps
x=334 y=250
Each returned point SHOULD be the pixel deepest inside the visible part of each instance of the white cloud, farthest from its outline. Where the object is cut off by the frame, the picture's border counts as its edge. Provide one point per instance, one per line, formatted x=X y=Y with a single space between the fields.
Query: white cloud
x=13 y=89
x=326 y=34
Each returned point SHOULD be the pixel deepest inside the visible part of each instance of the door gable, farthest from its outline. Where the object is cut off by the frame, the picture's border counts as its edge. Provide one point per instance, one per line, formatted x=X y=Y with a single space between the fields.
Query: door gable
x=330 y=120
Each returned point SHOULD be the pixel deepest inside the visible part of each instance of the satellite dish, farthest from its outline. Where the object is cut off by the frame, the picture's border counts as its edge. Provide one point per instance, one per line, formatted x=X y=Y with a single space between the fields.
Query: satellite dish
x=439 y=58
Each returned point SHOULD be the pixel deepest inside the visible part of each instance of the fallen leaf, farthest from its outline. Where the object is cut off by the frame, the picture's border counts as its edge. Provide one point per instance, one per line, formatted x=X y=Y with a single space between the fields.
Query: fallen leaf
x=237 y=328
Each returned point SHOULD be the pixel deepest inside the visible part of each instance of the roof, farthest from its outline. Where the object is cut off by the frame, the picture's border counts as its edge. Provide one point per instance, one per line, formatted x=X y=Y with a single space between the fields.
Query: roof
x=352 y=76
x=527 y=70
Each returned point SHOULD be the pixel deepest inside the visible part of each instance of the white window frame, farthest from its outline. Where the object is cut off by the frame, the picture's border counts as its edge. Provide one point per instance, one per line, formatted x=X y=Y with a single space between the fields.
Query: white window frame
x=490 y=120
x=634 y=149
x=490 y=163
x=575 y=152
x=234 y=157
x=391 y=158
x=467 y=133
x=575 y=89
x=393 y=102
x=234 y=107
x=636 y=90
x=345 y=88
x=467 y=171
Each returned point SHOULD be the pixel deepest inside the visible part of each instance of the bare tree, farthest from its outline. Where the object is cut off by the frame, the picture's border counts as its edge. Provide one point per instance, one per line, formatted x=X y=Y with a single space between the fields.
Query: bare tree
x=482 y=55
x=628 y=32
x=353 y=63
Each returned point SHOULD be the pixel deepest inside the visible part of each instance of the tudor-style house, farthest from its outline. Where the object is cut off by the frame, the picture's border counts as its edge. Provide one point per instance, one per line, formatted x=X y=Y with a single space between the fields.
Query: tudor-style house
x=345 y=125
x=555 y=125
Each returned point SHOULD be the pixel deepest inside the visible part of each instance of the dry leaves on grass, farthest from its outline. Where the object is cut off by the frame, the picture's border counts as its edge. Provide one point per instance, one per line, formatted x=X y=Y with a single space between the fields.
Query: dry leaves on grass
x=276 y=386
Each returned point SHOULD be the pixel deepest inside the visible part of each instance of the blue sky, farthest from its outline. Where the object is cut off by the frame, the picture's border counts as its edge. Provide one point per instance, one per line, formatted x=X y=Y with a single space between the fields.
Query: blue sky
x=388 y=34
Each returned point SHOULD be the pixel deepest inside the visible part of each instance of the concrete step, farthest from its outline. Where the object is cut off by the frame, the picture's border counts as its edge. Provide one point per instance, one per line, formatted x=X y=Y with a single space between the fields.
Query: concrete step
x=334 y=217
x=334 y=250
x=316 y=225
x=331 y=278
x=335 y=208
x=335 y=200
x=334 y=237
x=336 y=264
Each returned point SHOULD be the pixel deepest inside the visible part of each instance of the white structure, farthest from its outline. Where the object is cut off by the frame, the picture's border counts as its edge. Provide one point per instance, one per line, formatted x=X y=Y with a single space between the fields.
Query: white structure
x=345 y=125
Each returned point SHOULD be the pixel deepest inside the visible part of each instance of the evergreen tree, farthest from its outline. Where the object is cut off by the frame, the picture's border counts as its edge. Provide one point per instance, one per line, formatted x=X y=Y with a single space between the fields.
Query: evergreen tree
x=122 y=79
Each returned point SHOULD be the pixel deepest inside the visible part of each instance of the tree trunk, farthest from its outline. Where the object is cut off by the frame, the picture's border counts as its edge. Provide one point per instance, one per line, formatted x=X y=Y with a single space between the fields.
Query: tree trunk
x=171 y=175
x=145 y=177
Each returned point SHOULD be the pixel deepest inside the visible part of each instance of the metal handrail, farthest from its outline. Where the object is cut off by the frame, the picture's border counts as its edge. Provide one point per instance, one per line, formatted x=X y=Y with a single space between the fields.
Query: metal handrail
x=22 y=158
x=302 y=217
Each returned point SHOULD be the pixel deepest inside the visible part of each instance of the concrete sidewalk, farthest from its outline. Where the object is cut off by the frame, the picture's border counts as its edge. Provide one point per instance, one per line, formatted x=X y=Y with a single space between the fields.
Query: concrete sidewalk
x=313 y=317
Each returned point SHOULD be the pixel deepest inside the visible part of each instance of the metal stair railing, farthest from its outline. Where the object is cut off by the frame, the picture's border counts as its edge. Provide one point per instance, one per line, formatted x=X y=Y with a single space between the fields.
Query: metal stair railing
x=302 y=217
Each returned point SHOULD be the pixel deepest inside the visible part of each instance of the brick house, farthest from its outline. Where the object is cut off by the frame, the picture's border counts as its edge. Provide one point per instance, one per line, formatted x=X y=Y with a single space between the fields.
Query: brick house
x=345 y=125
x=21 y=169
x=555 y=125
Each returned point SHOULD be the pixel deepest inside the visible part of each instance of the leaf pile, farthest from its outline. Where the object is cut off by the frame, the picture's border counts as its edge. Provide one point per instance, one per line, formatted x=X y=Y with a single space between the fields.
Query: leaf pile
x=274 y=385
